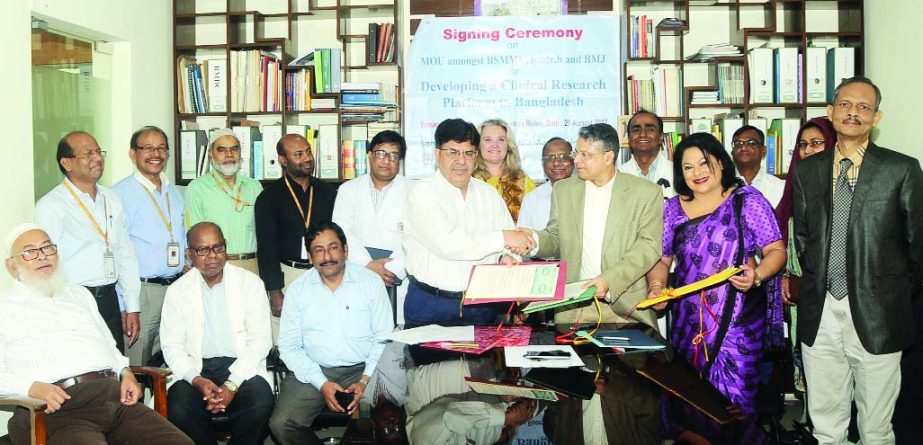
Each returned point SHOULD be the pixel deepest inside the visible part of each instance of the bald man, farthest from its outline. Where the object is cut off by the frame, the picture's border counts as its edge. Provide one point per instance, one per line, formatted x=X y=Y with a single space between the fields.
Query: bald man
x=70 y=362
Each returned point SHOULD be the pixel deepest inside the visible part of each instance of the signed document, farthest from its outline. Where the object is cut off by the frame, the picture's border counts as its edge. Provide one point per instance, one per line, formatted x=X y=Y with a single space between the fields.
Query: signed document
x=538 y=281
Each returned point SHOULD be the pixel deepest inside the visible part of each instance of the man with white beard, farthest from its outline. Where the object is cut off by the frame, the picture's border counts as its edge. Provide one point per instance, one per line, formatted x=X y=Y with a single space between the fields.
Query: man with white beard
x=227 y=199
x=55 y=347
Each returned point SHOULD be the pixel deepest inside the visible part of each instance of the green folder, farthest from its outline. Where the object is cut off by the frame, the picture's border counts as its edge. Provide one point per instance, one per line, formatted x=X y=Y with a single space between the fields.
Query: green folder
x=572 y=295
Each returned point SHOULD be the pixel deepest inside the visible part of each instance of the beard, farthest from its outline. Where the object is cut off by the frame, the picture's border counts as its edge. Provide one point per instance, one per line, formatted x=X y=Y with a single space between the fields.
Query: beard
x=227 y=169
x=48 y=287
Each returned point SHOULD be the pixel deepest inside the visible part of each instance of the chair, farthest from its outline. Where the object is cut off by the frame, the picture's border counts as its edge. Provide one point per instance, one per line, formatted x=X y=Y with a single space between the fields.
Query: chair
x=156 y=379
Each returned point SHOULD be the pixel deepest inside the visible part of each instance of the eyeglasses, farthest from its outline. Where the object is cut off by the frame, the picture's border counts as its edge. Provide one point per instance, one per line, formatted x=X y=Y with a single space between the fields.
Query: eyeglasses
x=203 y=250
x=561 y=157
x=392 y=155
x=452 y=153
x=90 y=154
x=752 y=143
x=814 y=143
x=235 y=149
x=32 y=254
x=150 y=149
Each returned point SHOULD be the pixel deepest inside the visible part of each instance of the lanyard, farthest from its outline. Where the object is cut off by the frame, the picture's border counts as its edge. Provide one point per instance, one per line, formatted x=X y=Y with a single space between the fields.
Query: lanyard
x=306 y=216
x=238 y=203
x=166 y=220
x=103 y=233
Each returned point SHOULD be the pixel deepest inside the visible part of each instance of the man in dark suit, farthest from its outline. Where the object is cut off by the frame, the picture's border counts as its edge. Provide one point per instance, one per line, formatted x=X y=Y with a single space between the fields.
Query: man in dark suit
x=860 y=251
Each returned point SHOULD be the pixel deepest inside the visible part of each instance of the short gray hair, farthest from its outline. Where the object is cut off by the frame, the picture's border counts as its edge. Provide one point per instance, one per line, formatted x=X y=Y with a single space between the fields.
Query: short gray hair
x=601 y=132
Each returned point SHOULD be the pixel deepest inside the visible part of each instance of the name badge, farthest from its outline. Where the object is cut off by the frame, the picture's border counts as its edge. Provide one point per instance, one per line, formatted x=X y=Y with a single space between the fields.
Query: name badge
x=172 y=254
x=109 y=263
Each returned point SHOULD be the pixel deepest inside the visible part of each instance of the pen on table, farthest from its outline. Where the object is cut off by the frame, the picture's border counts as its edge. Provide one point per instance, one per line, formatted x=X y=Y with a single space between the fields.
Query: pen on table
x=605 y=337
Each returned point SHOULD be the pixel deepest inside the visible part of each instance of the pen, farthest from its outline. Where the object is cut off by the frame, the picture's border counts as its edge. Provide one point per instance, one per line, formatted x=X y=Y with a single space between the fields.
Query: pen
x=462 y=345
x=615 y=338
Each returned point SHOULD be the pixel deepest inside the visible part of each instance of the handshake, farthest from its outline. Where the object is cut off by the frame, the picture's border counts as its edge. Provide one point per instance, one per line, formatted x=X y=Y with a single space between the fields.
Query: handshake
x=519 y=241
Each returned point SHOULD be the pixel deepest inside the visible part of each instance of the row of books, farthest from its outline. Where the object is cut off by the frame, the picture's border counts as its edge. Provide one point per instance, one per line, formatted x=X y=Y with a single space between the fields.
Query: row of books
x=641 y=43
x=369 y=101
x=380 y=43
x=256 y=81
x=328 y=65
x=780 y=135
x=777 y=75
x=662 y=94
x=202 y=84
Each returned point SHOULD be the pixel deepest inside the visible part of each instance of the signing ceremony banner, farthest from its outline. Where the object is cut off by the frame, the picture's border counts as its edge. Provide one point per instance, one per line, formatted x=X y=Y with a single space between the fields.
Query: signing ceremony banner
x=545 y=75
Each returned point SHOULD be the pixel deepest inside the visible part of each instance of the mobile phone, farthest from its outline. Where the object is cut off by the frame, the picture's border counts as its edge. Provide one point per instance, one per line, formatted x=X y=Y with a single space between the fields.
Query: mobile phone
x=553 y=354
x=344 y=398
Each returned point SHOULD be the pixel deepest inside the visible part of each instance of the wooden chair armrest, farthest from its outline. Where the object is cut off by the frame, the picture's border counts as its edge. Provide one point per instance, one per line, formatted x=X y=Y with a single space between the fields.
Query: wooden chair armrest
x=24 y=402
x=36 y=409
x=158 y=378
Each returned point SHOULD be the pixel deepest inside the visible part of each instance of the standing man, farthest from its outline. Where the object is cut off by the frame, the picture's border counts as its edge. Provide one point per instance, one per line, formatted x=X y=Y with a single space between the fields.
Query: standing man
x=216 y=336
x=57 y=348
x=226 y=198
x=558 y=163
x=88 y=222
x=608 y=226
x=333 y=319
x=858 y=214
x=284 y=212
x=156 y=225
x=645 y=139
x=453 y=222
x=748 y=150
x=369 y=209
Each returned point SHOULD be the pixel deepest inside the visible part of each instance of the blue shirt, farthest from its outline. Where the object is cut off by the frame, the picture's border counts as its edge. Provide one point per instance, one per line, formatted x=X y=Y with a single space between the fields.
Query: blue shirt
x=146 y=228
x=324 y=328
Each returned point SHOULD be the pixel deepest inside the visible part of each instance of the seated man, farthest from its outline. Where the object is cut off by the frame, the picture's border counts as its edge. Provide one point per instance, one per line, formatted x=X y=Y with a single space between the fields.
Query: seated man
x=468 y=418
x=55 y=347
x=215 y=336
x=332 y=319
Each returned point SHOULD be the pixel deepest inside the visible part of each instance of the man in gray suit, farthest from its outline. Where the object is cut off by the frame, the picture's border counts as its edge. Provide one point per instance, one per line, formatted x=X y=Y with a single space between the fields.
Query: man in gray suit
x=860 y=251
x=608 y=226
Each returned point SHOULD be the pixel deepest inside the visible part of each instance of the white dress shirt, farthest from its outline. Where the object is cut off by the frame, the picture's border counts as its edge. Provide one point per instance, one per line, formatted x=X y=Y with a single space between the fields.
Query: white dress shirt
x=660 y=169
x=770 y=186
x=446 y=234
x=595 y=214
x=80 y=246
x=182 y=324
x=47 y=339
x=536 y=207
x=458 y=419
x=372 y=217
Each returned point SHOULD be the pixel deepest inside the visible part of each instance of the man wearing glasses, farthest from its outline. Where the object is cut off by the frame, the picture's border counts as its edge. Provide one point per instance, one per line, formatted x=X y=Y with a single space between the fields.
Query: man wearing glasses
x=284 y=212
x=154 y=211
x=56 y=348
x=369 y=209
x=453 y=222
x=88 y=222
x=748 y=150
x=215 y=335
x=226 y=198
x=558 y=163
x=645 y=138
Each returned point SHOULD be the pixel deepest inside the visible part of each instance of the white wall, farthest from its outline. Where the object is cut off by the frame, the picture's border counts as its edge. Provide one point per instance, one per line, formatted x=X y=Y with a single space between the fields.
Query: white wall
x=893 y=61
x=142 y=87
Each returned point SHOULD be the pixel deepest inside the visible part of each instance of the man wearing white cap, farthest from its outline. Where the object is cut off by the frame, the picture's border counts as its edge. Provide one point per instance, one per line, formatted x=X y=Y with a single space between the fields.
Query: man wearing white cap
x=226 y=198
x=88 y=222
x=55 y=347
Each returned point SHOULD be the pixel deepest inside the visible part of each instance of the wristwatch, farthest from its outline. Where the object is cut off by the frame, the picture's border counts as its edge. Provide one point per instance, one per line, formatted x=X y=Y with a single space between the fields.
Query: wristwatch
x=231 y=386
x=758 y=279
x=364 y=381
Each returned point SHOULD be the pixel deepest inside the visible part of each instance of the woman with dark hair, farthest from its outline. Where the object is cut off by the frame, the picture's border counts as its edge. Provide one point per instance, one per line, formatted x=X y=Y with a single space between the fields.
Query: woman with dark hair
x=716 y=222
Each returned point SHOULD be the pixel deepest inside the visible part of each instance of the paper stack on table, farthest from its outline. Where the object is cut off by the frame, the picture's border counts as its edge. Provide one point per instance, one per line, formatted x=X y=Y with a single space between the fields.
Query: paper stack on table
x=432 y=332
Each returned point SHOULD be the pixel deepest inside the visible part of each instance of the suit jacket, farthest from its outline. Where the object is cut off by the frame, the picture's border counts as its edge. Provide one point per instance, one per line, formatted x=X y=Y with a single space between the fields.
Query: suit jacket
x=883 y=259
x=632 y=242
x=182 y=324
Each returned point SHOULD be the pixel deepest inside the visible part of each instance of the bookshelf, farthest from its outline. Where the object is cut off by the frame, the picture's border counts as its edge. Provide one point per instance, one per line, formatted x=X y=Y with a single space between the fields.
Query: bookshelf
x=232 y=69
x=798 y=27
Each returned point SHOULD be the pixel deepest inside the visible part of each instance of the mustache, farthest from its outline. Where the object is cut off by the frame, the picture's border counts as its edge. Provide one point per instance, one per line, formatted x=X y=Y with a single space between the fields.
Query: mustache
x=329 y=263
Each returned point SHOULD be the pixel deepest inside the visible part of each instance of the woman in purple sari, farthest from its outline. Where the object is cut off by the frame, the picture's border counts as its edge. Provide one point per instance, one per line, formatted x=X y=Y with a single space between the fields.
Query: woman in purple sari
x=713 y=223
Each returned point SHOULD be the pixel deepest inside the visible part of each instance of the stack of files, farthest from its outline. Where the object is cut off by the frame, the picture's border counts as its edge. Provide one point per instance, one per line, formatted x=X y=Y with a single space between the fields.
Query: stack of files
x=709 y=52
x=327 y=63
x=640 y=94
x=430 y=333
x=730 y=83
x=623 y=339
x=509 y=389
x=201 y=84
x=642 y=37
x=705 y=98
x=788 y=75
x=762 y=76
x=256 y=84
x=380 y=43
x=530 y=356
x=366 y=101
x=528 y=281
x=816 y=75
x=668 y=90
x=841 y=65
x=485 y=339
x=377 y=127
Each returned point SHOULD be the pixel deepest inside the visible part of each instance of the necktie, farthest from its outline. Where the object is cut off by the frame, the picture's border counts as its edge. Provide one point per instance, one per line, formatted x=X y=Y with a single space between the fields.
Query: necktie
x=836 y=262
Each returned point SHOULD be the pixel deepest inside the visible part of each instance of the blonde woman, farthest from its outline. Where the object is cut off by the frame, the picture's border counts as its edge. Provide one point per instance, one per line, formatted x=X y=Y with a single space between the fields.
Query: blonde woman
x=499 y=164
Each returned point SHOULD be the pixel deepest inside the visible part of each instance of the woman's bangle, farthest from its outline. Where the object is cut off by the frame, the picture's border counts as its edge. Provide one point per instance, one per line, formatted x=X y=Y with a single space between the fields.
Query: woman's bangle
x=654 y=283
x=758 y=278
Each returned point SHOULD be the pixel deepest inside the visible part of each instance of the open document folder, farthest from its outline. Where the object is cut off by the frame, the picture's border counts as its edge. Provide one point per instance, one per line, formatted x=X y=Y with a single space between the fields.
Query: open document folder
x=509 y=389
x=531 y=281
x=573 y=293
x=672 y=294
